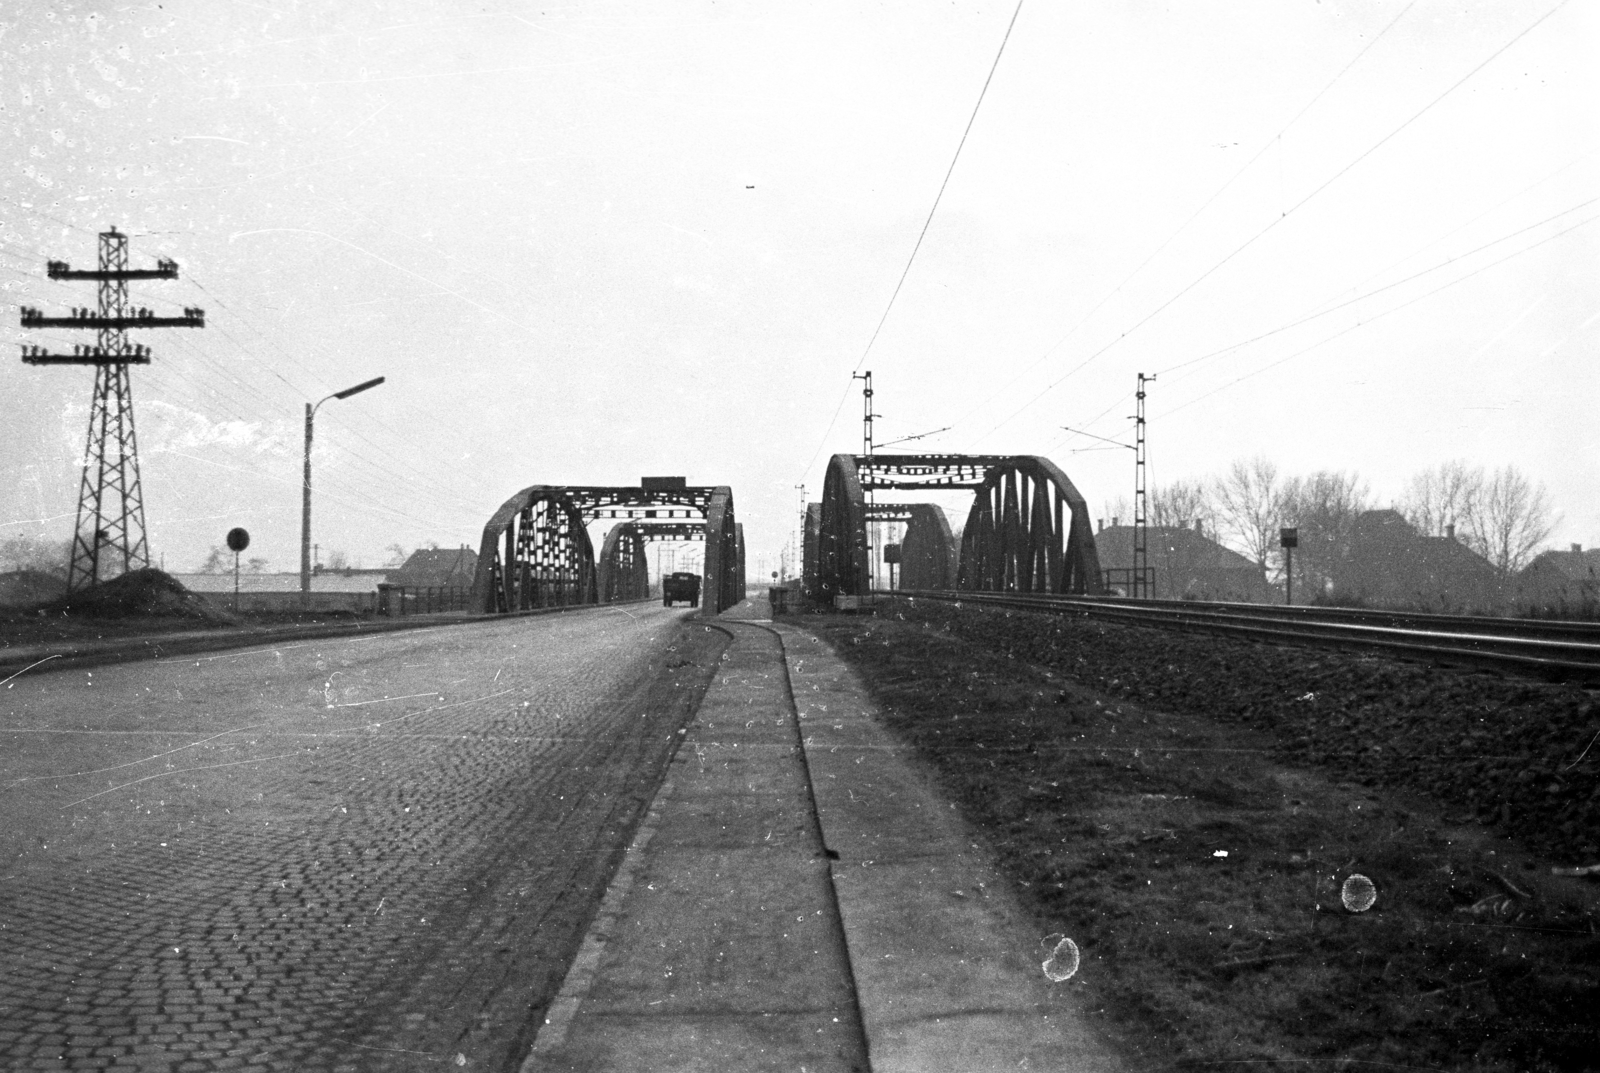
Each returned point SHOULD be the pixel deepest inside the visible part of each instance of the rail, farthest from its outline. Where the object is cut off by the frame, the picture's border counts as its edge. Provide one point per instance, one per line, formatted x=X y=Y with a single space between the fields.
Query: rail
x=1558 y=650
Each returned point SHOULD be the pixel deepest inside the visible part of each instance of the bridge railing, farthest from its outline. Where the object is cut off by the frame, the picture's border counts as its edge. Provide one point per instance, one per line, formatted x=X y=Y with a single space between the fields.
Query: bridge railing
x=423 y=599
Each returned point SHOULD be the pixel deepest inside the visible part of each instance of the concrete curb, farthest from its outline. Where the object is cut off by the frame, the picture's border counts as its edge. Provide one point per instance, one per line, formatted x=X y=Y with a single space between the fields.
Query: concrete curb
x=717 y=945
x=947 y=964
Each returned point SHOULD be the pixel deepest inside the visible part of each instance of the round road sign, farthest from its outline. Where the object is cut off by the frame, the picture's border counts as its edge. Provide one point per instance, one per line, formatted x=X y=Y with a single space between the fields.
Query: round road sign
x=238 y=540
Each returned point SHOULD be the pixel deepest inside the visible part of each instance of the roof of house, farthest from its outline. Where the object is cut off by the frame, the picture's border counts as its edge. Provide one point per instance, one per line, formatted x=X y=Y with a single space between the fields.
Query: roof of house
x=431 y=566
x=1371 y=521
x=1573 y=565
x=1390 y=526
x=1115 y=546
x=1387 y=561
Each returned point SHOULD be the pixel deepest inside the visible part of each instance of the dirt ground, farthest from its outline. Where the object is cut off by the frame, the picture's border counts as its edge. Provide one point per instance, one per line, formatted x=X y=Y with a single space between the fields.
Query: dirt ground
x=138 y=604
x=1213 y=866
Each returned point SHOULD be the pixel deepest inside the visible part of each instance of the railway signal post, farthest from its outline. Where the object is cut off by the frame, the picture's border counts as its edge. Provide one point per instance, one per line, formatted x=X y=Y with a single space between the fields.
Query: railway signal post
x=1288 y=540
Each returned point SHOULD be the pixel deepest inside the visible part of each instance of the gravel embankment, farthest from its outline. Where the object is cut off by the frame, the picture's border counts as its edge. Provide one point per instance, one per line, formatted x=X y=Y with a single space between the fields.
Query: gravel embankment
x=1503 y=751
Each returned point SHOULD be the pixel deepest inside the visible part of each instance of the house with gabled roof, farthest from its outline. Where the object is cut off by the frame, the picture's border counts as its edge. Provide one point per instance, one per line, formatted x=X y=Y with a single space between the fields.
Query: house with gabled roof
x=448 y=567
x=1188 y=564
x=1560 y=583
x=1388 y=563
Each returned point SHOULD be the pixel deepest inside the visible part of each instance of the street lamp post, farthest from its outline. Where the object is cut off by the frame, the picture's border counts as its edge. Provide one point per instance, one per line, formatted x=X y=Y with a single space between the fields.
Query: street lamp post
x=305 y=498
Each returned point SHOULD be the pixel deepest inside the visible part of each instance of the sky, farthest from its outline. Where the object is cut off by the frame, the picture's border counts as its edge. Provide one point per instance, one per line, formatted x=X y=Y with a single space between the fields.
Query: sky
x=590 y=242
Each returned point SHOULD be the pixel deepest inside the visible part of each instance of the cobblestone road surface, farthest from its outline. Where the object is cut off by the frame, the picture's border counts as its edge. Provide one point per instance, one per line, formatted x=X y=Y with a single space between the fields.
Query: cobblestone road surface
x=364 y=853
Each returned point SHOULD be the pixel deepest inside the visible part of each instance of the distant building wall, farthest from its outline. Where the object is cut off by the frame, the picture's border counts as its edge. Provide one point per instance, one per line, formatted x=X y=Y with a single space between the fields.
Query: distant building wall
x=361 y=603
x=326 y=581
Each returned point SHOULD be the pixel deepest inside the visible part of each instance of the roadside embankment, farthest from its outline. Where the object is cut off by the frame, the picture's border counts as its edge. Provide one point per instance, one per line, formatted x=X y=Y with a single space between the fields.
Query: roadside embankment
x=1202 y=817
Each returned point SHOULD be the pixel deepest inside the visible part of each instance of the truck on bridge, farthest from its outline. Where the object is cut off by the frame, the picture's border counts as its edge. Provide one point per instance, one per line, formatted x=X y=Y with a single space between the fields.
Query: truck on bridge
x=680 y=586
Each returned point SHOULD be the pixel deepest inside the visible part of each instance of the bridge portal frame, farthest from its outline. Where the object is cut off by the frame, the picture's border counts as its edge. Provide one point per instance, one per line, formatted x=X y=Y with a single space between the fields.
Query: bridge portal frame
x=1028 y=529
x=536 y=550
x=622 y=570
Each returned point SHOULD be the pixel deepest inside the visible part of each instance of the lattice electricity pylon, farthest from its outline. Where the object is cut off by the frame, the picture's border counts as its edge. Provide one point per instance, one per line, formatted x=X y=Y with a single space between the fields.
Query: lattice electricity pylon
x=110 y=501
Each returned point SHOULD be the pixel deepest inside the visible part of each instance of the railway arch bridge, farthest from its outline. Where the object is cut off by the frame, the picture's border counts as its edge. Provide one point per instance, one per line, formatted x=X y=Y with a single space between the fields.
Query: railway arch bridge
x=536 y=549
x=1027 y=530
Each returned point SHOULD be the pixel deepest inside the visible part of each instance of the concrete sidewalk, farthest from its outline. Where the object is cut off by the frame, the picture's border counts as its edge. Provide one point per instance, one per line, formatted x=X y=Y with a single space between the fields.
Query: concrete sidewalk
x=812 y=906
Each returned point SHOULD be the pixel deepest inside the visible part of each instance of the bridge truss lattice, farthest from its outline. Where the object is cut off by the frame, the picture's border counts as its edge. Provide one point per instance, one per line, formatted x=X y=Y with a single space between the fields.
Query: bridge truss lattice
x=536 y=551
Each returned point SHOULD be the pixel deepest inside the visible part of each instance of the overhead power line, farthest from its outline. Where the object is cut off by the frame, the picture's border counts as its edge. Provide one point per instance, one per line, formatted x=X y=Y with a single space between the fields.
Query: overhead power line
x=940 y=195
x=1181 y=228
x=906 y=271
x=1335 y=177
x=1325 y=310
x=1391 y=310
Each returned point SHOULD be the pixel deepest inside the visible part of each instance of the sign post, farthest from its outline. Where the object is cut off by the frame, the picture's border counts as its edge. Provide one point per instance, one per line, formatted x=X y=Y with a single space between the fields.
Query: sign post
x=238 y=540
x=1288 y=540
x=891 y=555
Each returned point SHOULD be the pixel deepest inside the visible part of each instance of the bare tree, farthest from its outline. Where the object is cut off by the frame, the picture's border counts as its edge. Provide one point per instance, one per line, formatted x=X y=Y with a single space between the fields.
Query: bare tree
x=1511 y=518
x=1167 y=506
x=217 y=561
x=1324 y=507
x=1249 y=499
x=397 y=555
x=35 y=553
x=1179 y=504
x=1117 y=511
x=338 y=560
x=1501 y=515
x=255 y=566
x=1444 y=496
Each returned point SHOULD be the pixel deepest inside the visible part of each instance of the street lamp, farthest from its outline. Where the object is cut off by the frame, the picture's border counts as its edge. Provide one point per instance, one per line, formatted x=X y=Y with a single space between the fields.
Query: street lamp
x=305 y=502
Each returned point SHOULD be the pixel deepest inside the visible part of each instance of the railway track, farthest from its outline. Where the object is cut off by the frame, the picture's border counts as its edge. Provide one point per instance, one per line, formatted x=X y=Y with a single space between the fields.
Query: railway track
x=1563 y=651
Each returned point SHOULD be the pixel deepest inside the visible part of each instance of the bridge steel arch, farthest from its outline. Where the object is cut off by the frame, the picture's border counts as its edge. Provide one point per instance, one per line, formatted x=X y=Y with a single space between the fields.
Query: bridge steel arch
x=810 y=542
x=623 y=572
x=842 y=567
x=536 y=551
x=928 y=551
x=741 y=586
x=1028 y=529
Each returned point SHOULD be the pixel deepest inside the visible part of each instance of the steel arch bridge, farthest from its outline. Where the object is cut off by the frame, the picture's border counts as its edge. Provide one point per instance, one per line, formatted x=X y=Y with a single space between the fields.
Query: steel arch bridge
x=536 y=551
x=1028 y=529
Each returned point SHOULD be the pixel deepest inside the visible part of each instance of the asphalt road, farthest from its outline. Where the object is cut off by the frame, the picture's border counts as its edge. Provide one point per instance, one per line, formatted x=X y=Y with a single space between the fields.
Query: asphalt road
x=362 y=853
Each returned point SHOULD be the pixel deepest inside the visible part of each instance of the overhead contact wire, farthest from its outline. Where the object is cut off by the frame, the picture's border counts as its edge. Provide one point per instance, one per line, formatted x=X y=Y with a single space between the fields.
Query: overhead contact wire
x=1268 y=144
x=906 y=271
x=1374 y=147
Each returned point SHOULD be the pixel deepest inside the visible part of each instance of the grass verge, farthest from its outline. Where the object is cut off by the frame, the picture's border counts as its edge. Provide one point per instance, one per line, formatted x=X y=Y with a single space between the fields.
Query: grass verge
x=1200 y=862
